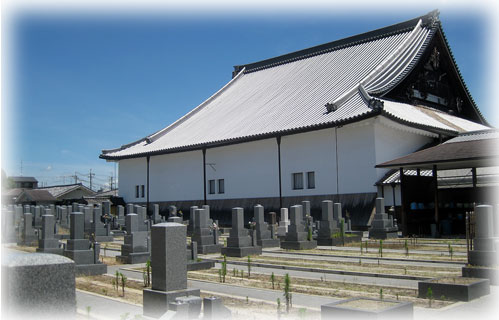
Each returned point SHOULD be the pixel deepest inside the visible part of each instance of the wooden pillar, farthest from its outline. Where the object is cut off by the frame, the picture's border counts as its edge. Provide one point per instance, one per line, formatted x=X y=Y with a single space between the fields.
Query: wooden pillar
x=393 y=184
x=204 y=174
x=473 y=176
x=278 y=138
x=147 y=200
x=402 y=207
x=435 y=181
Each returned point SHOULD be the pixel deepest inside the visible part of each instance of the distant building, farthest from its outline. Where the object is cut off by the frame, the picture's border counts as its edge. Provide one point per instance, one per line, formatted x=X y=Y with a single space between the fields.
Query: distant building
x=35 y=197
x=24 y=182
x=69 y=192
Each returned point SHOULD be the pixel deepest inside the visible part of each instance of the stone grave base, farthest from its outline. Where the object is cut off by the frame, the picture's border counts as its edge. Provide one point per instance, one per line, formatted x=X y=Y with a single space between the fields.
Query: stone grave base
x=104 y=238
x=155 y=302
x=341 y=309
x=242 y=251
x=29 y=241
x=210 y=248
x=483 y=273
x=199 y=265
x=90 y=269
x=455 y=291
x=269 y=243
x=299 y=245
x=383 y=234
x=134 y=258
x=483 y=258
x=338 y=241
x=117 y=233
x=58 y=251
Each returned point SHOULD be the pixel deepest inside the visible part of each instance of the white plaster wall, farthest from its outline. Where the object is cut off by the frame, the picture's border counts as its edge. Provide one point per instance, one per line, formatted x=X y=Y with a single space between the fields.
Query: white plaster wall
x=310 y=151
x=176 y=177
x=394 y=141
x=389 y=195
x=250 y=170
x=356 y=157
x=132 y=172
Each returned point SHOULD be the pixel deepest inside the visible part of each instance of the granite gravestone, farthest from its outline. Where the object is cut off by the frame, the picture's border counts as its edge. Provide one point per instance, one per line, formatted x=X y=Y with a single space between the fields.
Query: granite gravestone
x=38 y=286
x=328 y=226
x=48 y=243
x=263 y=234
x=88 y=212
x=119 y=220
x=156 y=217
x=190 y=226
x=239 y=242
x=485 y=245
x=80 y=250
x=203 y=234
x=99 y=231
x=169 y=279
x=135 y=248
x=382 y=226
x=29 y=235
x=283 y=223
x=298 y=236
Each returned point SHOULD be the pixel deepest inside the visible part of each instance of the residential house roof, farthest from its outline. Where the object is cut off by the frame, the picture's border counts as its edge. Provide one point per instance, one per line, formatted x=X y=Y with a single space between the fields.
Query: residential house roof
x=61 y=190
x=325 y=86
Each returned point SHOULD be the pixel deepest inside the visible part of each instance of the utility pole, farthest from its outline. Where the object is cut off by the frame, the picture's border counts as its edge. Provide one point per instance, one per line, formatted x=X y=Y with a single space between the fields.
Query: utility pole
x=90 y=176
x=111 y=182
x=76 y=178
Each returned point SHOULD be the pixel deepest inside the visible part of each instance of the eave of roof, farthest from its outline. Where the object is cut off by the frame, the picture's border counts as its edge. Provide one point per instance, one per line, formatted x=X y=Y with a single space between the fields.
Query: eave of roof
x=450 y=155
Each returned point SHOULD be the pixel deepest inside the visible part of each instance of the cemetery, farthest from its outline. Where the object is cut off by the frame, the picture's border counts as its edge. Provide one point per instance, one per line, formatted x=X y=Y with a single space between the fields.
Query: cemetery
x=161 y=268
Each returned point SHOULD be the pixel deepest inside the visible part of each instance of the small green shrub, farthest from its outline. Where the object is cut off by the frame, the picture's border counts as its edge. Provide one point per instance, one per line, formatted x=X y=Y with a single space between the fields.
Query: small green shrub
x=429 y=296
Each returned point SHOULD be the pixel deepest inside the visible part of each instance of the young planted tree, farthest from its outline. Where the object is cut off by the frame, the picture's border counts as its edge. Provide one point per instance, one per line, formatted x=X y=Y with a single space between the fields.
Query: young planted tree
x=117 y=280
x=366 y=245
x=249 y=267
x=123 y=283
x=278 y=308
x=224 y=268
x=342 y=231
x=380 y=248
x=406 y=247
x=429 y=295
x=451 y=251
x=148 y=270
x=381 y=294
x=272 y=279
x=287 y=291
x=360 y=247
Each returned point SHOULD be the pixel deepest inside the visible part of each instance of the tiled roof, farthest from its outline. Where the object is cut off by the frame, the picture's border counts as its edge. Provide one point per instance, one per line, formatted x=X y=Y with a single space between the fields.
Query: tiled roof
x=23 y=179
x=289 y=94
x=58 y=191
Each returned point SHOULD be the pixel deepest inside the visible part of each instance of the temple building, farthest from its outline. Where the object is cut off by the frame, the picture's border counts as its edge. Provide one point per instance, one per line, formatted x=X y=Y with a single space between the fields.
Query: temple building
x=308 y=125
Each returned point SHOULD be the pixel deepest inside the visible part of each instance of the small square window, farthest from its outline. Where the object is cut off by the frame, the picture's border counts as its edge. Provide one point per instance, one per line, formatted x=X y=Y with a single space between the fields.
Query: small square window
x=311 y=180
x=136 y=191
x=143 y=191
x=221 y=186
x=211 y=186
x=297 y=181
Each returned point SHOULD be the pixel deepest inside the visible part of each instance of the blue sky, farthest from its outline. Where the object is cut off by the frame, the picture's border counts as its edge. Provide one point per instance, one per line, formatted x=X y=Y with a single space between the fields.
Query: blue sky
x=81 y=84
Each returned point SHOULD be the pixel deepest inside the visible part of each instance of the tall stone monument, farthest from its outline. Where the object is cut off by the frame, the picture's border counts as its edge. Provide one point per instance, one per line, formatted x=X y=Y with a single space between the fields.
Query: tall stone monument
x=136 y=247
x=263 y=233
x=80 y=250
x=282 y=229
x=298 y=236
x=239 y=242
x=48 y=243
x=328 y=226
x=169 y=278
x=99 y=231
x=203 y=234
x=382 y=226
